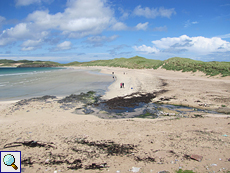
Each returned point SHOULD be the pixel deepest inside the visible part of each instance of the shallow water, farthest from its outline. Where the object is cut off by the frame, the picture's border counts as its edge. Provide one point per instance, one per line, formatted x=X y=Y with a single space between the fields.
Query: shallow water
x=146 y=110
x=62 y=82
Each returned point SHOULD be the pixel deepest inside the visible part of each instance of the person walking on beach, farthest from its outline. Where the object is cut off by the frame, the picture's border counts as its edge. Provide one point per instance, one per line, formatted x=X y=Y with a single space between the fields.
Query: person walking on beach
x=123 y=85
x=120 y=85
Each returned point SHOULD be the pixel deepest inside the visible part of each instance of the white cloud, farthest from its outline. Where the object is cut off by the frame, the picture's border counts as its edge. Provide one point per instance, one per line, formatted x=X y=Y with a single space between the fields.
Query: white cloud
x=154 y=12
x=125 y=14
x=29 y=2
x=188 y=23
x=142 y=26
x=27 y=48
x=64 y=45
x=161 y=28
x=30 y=45
x=146 y=49
x=119 y=26
x=100 y=40
x=81 y=18
x=225 y=36
x=193 y=45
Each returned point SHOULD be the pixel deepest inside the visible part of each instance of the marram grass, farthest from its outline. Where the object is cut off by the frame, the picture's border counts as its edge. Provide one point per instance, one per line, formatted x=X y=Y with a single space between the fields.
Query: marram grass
x=176 y=63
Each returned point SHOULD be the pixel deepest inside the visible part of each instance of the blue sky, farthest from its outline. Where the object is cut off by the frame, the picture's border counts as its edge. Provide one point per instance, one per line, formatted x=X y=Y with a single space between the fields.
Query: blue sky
x=85 y=30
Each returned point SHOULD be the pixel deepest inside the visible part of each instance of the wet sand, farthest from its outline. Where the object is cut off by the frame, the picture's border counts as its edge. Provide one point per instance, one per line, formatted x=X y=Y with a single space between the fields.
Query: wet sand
x=152 y=145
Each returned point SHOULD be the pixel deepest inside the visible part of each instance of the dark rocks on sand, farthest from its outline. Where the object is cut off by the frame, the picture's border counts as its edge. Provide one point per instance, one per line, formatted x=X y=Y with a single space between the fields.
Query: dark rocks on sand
x=26 y=101
x=196 y=157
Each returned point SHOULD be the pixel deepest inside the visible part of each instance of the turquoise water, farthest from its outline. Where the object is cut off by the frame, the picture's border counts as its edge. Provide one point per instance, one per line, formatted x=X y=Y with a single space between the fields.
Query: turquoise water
x=22 y=83
x=9 y=71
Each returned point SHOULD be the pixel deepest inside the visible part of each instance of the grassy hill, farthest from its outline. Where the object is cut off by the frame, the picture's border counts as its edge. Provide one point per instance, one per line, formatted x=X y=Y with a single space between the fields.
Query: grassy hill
x=176 y=63
x=133 y=63
x=209 y=68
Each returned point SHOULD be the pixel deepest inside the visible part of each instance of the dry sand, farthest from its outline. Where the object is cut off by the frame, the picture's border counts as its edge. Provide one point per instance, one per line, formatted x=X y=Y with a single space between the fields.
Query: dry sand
x=158 y=144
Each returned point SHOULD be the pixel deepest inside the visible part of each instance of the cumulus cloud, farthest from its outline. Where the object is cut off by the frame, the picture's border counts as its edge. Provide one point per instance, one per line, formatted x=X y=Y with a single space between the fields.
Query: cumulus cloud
x=125 y=14
x=81 y=18
x=100 y=40
x=119 y=26
x=64 y=45
x=142 y=26
x=154 y=12
x=30 y=45
x=194 y=45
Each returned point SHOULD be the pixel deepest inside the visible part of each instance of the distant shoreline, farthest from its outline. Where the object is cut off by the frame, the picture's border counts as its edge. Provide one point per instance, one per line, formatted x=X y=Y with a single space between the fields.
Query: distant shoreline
x=212 y=68
x=149 y=81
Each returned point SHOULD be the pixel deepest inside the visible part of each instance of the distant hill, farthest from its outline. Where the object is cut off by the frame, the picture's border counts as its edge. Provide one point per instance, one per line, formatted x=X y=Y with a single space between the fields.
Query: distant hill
x=176 y=63
x=133 y=63
x=28 y=63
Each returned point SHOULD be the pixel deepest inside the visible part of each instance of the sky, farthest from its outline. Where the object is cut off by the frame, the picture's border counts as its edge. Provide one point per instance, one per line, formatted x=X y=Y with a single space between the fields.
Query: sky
x=85 y=30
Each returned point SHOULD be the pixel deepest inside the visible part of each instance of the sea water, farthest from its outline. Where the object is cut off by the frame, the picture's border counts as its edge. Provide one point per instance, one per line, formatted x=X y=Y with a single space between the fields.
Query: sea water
x=23 y=83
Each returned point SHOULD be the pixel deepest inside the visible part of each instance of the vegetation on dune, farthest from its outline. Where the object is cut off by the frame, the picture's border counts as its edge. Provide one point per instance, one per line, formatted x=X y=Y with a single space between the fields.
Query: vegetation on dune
x=132 y=63
x=186 y=171
x=75 y=63
x=184 y=64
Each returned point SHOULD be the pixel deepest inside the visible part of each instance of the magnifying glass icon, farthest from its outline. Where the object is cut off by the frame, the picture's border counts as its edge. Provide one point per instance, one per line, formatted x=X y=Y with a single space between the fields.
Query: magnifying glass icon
x=9 y=160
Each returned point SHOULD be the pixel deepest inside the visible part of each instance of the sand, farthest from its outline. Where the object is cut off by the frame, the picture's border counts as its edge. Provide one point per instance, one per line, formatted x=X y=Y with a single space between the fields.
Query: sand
x=158 y=144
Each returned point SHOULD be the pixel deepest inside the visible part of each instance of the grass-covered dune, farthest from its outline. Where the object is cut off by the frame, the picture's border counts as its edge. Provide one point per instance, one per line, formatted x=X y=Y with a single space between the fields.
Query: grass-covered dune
x=209 y=68
x=185 y=64
x=133 y=63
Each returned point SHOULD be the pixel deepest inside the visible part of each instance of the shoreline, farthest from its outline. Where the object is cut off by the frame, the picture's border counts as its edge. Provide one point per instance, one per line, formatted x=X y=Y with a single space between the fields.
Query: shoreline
x=67 y=142
x=149 y=81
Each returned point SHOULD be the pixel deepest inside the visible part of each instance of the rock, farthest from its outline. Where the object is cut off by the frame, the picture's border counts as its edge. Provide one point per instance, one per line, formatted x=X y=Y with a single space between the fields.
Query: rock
x=225 y=110
x=196 y=157
x=229 y=159
x=87 y=110
x=135 y=169
x=164 y=172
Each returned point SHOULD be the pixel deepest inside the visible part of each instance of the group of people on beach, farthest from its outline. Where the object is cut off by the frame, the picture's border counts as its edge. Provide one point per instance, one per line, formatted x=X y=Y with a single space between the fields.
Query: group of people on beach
x=122 y=85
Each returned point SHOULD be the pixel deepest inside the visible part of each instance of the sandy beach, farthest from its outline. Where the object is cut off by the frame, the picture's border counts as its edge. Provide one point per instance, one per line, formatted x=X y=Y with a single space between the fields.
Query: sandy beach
x=67 y=142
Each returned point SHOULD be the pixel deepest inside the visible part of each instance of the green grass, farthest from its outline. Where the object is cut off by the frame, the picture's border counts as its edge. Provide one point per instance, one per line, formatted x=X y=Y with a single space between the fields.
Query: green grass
x=186 y=171
x=131 y=63
x=144 y=115
x=188 y=65
x=176 y=63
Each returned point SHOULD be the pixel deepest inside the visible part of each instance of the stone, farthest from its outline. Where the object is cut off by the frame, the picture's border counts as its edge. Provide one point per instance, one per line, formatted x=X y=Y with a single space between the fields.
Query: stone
x=196 y=157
